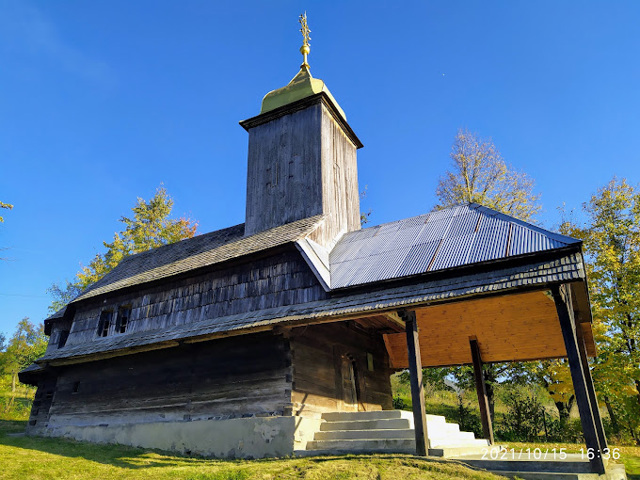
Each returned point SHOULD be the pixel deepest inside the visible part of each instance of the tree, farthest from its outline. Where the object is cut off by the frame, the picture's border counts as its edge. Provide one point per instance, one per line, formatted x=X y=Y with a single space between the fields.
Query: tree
x=612 y=248
x=480 y=175
x=151 y=226
x=7 y=206
x=26 y=345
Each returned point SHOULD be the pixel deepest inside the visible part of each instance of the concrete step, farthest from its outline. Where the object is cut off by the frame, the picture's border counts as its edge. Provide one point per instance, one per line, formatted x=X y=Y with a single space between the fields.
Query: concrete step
x=374 y=415
x=441 y=439
x=395 y=424
x=459 y=452
x=446 y=443
x=614 y=472
x=507 y=460
x=362 y=446
x=404 y=433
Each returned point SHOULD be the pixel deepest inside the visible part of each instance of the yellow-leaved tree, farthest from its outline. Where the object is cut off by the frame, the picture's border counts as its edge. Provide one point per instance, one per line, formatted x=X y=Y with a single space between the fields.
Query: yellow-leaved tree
x=612 y=249
x=480 y=175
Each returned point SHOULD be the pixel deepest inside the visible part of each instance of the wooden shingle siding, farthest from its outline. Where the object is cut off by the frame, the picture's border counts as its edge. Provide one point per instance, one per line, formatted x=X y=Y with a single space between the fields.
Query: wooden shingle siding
x=283 y=279
x=227 y=378
x=317 y=352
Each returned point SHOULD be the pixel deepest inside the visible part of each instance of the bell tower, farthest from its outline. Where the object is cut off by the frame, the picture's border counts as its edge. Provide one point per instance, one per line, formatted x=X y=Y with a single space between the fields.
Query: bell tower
x=302 y=157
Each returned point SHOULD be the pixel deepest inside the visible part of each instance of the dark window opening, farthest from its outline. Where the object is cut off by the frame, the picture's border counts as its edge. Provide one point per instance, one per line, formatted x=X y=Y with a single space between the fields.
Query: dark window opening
x=32 y=422
x=49 y=395
x=124 y=314
x=64 y=334
x=105 y=322
x=76 y=386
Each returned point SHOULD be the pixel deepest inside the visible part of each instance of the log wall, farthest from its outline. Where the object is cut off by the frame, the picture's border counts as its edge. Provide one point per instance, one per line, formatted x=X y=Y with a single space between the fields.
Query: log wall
x=235 y=377
x=320 y=357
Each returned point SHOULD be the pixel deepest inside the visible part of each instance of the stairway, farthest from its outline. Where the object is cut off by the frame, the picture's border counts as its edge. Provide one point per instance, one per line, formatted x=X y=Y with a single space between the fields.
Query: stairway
x=389 y=431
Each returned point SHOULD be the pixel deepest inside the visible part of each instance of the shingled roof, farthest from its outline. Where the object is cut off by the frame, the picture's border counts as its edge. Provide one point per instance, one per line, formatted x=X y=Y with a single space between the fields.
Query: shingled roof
x=194 y=253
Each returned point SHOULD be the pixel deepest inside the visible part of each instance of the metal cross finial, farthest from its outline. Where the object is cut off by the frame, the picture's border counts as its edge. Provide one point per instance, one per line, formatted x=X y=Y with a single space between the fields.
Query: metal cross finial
x=305 y=49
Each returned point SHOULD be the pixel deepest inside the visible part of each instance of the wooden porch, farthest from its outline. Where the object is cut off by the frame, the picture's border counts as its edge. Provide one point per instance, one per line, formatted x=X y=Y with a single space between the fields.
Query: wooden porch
x=554 y=322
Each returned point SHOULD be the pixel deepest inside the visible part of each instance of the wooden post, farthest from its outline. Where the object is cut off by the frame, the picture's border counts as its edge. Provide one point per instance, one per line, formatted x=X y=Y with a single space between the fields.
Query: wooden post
x=417 y=389
x=481 y=390
x=582 y=349
x=562 y=297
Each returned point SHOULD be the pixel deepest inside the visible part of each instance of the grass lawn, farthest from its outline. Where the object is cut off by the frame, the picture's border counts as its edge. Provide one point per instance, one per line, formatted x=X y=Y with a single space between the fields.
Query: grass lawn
x=31 y=458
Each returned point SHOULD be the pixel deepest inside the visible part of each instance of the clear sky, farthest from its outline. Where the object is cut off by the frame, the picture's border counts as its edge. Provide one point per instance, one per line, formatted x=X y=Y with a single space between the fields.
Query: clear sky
x=102 y=102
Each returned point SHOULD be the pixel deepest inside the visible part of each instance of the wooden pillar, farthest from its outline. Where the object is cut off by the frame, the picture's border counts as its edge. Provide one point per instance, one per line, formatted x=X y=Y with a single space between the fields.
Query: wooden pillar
x=417 y=389
x=582 y=349
x=562 y=297
x=481 y=390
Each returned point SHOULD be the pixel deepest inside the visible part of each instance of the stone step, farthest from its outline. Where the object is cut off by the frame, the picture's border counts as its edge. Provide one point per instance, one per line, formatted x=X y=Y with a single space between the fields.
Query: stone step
x=404 y=433
x=362 y=446
x=395 y=424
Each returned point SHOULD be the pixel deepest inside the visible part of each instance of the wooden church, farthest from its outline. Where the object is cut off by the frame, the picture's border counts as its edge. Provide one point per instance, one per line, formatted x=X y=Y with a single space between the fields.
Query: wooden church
x=253 y=340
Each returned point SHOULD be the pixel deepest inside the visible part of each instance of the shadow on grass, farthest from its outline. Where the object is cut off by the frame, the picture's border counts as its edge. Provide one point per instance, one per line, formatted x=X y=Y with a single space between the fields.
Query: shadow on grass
x=114 y=455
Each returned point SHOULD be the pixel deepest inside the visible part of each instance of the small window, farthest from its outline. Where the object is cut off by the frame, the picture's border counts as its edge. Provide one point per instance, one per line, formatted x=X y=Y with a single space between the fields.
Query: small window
x=105 y=322
x=76 y=387
x=124 y=314
x=64 y=334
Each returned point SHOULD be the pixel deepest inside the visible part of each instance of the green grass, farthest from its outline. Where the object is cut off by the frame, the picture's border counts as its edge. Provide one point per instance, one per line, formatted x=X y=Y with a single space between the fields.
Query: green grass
x=35 y=458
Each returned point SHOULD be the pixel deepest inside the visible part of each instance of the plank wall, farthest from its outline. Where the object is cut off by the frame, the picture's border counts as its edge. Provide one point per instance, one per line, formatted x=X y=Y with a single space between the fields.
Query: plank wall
x=317 y=353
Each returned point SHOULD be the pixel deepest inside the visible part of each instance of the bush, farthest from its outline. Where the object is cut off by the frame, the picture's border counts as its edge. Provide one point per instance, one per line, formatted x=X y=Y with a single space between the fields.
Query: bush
x=399 y=403
x=524 y=418
x=467 y=419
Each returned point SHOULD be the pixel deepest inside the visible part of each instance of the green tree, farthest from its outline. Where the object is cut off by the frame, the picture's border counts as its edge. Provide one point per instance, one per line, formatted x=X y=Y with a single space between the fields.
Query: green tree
x=26 y=344
x=612 y=248
x=480 y=175
x=7 y=206
x=150 y=226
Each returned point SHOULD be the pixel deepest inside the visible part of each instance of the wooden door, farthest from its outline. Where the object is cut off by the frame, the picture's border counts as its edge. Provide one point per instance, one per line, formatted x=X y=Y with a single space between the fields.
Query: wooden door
x=350 y=387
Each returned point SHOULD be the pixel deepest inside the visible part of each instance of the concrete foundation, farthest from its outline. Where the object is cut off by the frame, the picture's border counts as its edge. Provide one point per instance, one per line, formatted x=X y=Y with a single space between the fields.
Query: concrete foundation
x=254 y=437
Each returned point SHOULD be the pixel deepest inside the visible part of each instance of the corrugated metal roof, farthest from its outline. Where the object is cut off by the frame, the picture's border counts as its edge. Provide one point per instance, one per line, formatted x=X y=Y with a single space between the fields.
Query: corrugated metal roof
x=439 y=240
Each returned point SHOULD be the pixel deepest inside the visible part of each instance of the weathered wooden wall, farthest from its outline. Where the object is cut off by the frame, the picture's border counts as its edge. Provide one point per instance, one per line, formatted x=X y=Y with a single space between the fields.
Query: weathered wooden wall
x=226 y=378
x=282 y=279
x=300 y=165
x=318 y=355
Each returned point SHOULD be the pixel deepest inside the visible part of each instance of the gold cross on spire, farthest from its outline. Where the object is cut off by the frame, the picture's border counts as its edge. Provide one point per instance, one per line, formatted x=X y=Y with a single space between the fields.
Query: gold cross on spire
x=305 y=49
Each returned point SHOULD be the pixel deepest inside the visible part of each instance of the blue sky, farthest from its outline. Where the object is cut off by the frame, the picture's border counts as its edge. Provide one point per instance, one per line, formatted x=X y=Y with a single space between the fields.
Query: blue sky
x=101 y=102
